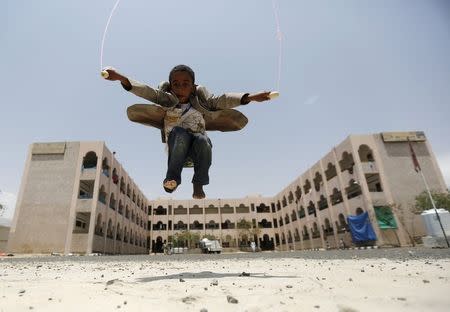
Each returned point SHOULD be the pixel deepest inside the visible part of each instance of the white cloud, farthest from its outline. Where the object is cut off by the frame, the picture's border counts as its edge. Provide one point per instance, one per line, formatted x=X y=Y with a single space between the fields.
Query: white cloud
x=8 y=201
x=444 y=164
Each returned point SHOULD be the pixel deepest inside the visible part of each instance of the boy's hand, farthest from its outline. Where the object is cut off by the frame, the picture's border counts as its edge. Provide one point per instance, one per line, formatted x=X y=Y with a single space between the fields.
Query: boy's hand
x=113 y=75
x=259 y=97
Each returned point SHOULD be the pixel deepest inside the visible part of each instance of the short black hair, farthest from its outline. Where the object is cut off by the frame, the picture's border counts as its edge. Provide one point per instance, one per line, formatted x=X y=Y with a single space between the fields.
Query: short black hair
x=182 y=68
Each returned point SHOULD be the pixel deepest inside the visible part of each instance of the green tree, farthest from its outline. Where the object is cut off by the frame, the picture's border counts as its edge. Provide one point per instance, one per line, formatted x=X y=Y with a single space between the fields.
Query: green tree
x=243 y=224
x=246 y=229
x=423 y=202
x=186 y=238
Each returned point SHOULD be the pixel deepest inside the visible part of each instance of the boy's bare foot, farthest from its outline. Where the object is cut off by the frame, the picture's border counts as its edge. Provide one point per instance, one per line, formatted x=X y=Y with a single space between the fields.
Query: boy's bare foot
x=198 y=191
x=170 y=185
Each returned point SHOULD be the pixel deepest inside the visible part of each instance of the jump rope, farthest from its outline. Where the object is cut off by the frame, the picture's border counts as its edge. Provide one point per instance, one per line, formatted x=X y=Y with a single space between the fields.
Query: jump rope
x=279 y=37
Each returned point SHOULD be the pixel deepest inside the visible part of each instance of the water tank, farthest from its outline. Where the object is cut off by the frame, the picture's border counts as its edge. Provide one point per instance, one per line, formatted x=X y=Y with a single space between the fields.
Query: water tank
x=432 y=224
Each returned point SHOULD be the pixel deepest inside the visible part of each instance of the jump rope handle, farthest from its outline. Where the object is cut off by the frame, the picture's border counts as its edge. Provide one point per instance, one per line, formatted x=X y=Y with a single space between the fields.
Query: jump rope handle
x=104 y=73
x=274 y=94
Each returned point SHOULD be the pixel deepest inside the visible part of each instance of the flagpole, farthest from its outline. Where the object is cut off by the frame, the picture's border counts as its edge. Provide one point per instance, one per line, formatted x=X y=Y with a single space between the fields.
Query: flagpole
x=417 y=168
x=434 y=207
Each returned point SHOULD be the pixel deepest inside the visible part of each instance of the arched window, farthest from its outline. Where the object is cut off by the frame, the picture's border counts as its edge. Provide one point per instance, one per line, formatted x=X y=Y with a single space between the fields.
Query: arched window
x=99 y=225
x=311 y=209
x=109 y=230
x=262 y=208
x=125 y=235
x=336 y=197
x=112 y=202
x=115 y=177
x=118 y=234
x=102 y=195
x=330 y=173
x=180 y=226
x=105 y=167
x=298 y=193
x=322 y=203
x=353 y=189
x=365 y=153
x=301 y=212
x=290 y=197
x=296 y=235
x=315 y=231
x=307 y=186
x=289 y=237
x=346 y=162
x=293 y=216
x=90 y=160
x=305 y=233
x=318 y=181
x=122 y=185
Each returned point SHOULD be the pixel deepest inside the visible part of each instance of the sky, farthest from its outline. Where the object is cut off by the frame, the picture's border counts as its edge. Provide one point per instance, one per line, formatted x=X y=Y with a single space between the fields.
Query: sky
x=347 y=67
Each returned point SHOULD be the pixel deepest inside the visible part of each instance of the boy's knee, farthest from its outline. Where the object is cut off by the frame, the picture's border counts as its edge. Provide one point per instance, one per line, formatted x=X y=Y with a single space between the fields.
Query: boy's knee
x=202 y=143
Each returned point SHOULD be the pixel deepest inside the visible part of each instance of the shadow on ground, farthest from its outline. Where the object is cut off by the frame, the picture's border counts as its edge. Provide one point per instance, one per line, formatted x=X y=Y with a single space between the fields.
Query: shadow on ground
x=207 y=274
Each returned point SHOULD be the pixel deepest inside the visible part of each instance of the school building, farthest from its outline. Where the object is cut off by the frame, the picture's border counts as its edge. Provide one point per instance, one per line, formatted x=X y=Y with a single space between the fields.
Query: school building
x=75 y=197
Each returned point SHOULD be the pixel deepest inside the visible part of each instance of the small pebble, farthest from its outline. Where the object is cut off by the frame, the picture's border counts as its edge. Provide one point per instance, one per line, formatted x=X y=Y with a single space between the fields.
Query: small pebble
x=231 y=299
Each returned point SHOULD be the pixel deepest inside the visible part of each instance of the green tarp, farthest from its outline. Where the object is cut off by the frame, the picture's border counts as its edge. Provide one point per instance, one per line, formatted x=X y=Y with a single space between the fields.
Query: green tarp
x=385 y=217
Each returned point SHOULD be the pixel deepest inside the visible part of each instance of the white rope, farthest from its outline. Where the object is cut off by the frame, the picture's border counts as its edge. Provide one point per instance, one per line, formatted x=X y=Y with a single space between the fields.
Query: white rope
x=104 y=33
x=279 y=36
x=280 y=41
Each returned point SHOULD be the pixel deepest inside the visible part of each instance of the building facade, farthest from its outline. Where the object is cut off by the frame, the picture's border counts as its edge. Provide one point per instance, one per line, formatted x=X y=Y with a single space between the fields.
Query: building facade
x=75 y=197
x=362 y=173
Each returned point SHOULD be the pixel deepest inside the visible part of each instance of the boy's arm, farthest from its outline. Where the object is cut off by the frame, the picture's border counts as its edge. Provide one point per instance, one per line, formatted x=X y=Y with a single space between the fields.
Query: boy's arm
x=159 y=97
x=230 y=100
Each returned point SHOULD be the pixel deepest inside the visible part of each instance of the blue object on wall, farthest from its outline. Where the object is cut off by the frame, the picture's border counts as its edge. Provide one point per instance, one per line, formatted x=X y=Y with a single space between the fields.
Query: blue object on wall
x=361 y=228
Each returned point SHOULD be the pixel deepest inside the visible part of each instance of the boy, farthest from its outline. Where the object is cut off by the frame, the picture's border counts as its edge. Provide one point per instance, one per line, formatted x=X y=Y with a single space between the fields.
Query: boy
x=184 y=124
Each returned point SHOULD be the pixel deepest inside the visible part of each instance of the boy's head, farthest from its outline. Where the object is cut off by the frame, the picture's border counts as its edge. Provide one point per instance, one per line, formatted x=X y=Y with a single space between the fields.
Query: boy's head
x=182 y=79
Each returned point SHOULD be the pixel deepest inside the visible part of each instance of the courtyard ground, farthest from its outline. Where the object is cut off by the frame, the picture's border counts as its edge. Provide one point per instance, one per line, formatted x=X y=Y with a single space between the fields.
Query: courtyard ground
x=406 y=279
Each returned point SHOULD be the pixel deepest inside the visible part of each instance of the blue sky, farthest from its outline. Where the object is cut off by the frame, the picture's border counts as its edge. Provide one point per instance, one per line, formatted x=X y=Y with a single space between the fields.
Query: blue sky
x=349 y=67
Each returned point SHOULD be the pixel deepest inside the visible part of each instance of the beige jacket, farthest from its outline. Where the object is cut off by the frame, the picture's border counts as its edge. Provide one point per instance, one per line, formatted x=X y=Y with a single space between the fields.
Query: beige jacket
x=216 y=111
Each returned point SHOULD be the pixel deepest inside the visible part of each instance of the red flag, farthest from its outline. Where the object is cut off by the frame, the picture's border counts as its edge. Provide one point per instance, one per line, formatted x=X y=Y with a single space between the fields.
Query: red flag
x=414 y=158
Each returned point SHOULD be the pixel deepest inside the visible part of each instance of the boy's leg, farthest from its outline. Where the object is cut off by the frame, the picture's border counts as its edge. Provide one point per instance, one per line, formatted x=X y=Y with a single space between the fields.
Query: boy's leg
x=179 y=143
x=201 y=153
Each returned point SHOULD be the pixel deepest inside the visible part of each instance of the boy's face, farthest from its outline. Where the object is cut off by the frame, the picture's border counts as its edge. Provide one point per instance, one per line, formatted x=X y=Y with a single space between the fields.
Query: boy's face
x=182 y=85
